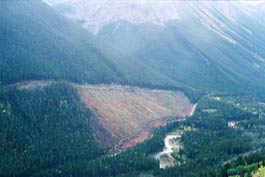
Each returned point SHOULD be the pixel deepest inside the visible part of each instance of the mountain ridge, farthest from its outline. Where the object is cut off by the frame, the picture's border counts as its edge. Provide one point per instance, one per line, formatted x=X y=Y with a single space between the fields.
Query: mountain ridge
x=37 y=43
x=208 y=46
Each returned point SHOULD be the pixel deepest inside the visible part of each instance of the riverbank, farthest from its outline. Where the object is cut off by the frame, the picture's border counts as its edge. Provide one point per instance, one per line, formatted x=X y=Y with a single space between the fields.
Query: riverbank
x=171 y=144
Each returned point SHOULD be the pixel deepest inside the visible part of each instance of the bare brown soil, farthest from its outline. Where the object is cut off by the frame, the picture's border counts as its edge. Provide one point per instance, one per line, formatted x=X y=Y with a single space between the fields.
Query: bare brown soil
x=130 y=114
x=124 y=116
x=143 y=134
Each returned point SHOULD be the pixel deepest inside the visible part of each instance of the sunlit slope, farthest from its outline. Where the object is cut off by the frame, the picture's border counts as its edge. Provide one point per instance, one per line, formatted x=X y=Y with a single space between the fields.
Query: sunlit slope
x=208 y=45
x=193 y=54
x=122 y=115
x=124 y=111
x=37 y=43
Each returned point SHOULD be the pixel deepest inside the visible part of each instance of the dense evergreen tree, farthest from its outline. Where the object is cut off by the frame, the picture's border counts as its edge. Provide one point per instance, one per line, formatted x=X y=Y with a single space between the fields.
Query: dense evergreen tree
x=212 y=142
x=44 y=129
x=46 y=132
x=39 y=44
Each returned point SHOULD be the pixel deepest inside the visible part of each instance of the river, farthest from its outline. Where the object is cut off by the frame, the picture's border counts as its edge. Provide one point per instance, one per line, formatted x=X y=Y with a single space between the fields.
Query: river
x=171 y=143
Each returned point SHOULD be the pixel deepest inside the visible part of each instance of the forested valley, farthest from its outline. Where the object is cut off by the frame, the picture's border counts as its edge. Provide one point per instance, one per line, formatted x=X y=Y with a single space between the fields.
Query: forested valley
x=46 y=132
x=216 y=64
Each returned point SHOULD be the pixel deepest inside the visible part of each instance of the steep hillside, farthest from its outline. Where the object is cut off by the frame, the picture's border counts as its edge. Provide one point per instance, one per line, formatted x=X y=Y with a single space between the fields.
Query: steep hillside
x=123 y=116
x=206 y=45
x=260 y=11
x=37 y=43
x=131 y=113
x=45 y=130
x=42 y=129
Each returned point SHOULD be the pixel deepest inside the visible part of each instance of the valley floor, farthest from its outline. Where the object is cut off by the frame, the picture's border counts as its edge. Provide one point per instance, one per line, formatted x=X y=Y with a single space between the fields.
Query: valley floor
x=165 y=158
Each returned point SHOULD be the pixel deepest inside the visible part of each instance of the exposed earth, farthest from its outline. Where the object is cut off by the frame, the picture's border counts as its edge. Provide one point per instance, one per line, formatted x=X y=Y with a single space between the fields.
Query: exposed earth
x=124 y=116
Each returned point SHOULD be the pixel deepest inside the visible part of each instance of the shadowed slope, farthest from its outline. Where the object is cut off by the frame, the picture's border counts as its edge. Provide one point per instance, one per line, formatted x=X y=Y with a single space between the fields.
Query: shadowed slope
x=37 y=43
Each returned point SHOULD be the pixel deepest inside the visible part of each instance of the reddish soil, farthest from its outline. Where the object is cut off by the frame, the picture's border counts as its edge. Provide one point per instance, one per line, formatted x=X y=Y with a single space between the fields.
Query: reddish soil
x=147 y=130
x=143 y=134
x=104 y=123
x=126 y=116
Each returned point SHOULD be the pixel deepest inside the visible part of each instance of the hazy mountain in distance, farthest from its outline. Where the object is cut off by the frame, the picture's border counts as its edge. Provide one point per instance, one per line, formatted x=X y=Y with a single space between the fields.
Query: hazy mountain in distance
x=260 y=11
x=97 y=14
x=208 y=45
x=54 y=2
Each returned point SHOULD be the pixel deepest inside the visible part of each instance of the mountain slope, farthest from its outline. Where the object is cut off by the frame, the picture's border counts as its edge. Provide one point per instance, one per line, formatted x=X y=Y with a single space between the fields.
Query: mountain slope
x=259 y=11
x=130 y=114
x=37 y=43
x=207 y=45
x=43 y=129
